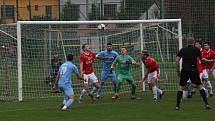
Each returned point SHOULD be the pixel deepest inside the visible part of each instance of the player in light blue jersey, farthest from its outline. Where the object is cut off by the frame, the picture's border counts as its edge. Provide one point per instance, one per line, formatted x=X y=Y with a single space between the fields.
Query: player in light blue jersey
x=107 y=57
x=64 y=81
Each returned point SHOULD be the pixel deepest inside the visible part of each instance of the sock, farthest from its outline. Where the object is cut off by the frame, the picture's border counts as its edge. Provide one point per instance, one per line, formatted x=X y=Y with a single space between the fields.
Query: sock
x=159 y=90
x=118 y=87
x=154 y=91
x=206 y=92
x=210 y=87
x=83 y=92
x=189 y=89
x=65 y=100
x=114 y=87
x=185 y=94
x=133 y=89
x=179 y=96
x=202 y=92
x=68 y=103
x=94 y=90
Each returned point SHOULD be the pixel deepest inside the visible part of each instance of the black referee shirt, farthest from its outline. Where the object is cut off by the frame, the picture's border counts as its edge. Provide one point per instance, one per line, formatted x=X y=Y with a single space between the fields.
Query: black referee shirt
x=189 y=58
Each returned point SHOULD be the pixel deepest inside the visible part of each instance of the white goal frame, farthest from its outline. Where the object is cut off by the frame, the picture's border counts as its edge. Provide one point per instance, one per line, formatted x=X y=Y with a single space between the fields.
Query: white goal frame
x=141 y=22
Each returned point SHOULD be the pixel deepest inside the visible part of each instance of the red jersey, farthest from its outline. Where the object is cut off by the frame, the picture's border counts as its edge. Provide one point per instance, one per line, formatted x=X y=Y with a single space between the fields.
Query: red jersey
x=87 y=60
x=199 y=66
x=203 y=53
x=150 y=64
x=210 y=55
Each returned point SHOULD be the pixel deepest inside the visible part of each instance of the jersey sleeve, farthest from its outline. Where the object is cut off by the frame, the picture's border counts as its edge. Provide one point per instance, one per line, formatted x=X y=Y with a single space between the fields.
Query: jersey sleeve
x=116 y=60
x=180 y=53
x=93 y=55
x=199 y=54
x=116 y=54
x=82 y=58
x=75 y=69
x=130 y=58
x=100 y=54
x=213 y=55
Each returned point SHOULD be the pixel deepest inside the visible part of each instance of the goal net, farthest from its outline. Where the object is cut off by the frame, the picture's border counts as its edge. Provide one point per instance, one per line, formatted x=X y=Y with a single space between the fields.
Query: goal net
x=43 y=45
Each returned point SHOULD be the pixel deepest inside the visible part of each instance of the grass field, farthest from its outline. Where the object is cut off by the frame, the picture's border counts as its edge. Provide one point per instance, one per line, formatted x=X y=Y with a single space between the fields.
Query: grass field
x=124 y=109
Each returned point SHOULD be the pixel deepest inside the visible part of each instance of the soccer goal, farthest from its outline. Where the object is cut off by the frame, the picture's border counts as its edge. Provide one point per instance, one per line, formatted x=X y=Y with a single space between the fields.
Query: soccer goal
x=38 y=41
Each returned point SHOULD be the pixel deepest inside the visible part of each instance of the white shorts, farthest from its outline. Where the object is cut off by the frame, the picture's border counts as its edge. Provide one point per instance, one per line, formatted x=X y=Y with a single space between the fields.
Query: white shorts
x=205 y=74
x=201 y=75
x=90 y=78
x=155 y=74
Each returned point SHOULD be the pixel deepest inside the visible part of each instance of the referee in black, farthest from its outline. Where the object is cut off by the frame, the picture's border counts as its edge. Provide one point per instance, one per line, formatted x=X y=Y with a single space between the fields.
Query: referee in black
x=189 y=70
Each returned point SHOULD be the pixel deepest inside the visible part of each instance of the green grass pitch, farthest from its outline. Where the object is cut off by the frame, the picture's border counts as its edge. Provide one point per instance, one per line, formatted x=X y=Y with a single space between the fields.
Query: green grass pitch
x=124 y=109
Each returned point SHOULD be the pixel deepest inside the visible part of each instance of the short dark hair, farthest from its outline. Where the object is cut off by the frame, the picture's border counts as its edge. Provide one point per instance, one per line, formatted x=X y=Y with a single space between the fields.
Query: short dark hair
x=109 y=43
x=83 y=46
x=124 y=47
x=145 y=52
x=206 y=42
x=198 y=41
x=69 y=57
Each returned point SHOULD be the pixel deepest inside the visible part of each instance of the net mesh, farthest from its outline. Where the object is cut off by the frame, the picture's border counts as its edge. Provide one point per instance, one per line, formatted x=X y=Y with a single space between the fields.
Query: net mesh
x=8 y=63
x=44 y=48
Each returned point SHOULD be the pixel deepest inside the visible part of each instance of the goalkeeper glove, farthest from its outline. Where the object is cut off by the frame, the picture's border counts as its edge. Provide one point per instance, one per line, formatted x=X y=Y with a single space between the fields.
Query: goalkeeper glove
x=128 y=62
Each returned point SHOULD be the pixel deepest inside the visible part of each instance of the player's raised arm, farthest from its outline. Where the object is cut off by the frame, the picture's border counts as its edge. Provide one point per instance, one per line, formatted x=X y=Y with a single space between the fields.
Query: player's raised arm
x=100 y=56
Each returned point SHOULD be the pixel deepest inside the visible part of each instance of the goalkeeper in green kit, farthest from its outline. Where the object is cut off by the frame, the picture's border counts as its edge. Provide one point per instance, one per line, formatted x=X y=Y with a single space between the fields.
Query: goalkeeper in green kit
x=123 y=64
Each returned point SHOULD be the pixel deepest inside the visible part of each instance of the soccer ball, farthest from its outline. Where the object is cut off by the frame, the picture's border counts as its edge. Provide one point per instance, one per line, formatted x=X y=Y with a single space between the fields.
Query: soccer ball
x=101 y=27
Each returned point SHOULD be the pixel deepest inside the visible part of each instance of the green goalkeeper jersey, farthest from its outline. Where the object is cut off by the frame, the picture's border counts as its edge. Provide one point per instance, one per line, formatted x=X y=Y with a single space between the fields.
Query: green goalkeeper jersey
x=121 y=66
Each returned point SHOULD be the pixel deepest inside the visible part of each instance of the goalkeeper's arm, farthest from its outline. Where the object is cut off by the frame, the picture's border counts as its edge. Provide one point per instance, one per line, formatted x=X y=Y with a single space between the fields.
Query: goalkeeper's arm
x=131 y=62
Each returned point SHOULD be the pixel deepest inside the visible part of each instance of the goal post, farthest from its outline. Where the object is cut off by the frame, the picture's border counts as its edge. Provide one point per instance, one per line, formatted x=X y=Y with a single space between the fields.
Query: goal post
x=136 y=34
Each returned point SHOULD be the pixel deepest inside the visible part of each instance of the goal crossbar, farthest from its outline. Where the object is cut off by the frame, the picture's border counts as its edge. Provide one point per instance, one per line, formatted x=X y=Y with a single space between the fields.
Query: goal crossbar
x=101 y=22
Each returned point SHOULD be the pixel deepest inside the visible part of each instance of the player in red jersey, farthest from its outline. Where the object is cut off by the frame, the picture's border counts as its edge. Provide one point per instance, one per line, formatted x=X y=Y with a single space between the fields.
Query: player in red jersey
x=152 y=74
x=86 y=68
x=209 y=55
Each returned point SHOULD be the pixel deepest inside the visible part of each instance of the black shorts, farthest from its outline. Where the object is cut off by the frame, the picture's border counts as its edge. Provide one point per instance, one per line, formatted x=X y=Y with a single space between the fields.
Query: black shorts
x=192 y=75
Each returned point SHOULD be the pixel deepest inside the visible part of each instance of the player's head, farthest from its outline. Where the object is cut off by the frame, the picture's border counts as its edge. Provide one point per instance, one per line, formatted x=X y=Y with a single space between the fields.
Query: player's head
x=206 y=45
x=69 y=57
x=198 y=44
x=144 y=54
x=109 y=46
x=123 y=50
x=190 y=41
x=86 y=47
